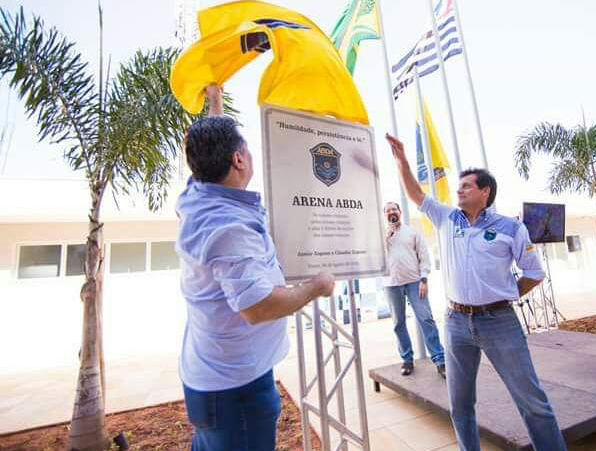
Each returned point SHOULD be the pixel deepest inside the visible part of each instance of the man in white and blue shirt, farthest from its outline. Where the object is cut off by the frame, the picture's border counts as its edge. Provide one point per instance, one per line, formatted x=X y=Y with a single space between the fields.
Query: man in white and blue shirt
x=235 y=293
x=478 y=248
x=409 y=267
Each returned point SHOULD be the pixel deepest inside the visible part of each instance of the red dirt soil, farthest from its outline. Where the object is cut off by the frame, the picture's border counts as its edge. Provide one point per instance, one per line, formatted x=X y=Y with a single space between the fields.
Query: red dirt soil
x=158 y=428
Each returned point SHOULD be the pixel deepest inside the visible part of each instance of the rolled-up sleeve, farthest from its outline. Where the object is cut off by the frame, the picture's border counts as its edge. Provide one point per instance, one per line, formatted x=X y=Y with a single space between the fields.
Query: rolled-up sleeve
x=436 y=211
x=237 y=256
x=526 y=255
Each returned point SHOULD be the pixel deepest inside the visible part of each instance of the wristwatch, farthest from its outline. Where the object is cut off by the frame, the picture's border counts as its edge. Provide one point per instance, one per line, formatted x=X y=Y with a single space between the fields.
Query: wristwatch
x=423 y=280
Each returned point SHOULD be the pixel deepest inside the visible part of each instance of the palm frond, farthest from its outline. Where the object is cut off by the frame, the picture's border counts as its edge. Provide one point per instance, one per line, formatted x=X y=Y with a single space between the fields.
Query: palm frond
x=126 y=137
x=146 y=124
x=574 y=153
x=545 y=138
x=568 y=175
x=53 y=81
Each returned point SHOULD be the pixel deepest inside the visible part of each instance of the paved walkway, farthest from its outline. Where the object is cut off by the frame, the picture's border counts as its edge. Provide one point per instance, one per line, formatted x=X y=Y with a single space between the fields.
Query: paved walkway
x=39 y=398
x=565 y=364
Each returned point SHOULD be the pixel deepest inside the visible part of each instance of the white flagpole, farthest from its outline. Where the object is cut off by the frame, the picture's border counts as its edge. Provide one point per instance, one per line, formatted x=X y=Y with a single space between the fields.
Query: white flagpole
x=404 y=201
x=431 y=181
x=471 y=85
x=445 y=86
x=431 y=171
x=425 y=140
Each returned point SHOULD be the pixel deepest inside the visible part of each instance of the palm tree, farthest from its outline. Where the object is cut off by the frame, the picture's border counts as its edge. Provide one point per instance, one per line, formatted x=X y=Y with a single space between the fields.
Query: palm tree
x=574 y=152
x=122 y=132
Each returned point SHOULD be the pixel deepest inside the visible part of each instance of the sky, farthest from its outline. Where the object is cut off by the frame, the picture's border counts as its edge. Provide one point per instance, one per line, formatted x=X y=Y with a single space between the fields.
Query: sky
x=529 y=61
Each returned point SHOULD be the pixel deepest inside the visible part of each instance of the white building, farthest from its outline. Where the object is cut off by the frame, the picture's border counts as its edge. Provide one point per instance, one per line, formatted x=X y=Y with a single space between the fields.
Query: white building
x=43 y=227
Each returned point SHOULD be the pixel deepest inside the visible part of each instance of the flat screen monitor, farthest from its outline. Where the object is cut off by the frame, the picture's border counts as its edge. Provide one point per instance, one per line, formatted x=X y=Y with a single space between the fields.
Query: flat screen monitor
x=545 y=222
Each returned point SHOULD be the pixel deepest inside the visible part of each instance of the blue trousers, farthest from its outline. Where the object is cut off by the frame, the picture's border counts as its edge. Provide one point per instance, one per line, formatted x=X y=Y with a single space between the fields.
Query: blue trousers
x=499 y=334
x=397 y=303
x=238 y=419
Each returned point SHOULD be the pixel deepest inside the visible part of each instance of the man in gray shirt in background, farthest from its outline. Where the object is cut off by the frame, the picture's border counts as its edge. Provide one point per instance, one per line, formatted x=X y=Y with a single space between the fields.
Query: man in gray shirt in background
x=409 y=266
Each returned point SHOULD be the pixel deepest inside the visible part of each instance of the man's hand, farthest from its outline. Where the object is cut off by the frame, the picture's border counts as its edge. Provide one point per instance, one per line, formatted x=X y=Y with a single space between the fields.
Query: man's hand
x=397 y=147
x=323 y=283
x=284 y=301
x=422 y=289
x=214 y=94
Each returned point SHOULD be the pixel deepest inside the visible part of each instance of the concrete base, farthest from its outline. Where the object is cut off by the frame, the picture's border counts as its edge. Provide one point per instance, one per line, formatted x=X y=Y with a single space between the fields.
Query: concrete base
x=566 y=366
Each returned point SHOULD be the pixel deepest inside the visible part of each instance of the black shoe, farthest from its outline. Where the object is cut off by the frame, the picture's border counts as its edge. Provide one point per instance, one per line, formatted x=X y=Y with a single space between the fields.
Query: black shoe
x=406 y=369
x=441 y=371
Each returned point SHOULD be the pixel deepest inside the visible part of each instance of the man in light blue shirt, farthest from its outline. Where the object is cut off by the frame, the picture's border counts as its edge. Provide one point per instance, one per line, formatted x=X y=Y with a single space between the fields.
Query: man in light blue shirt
x=235 y=293
x=478 y=248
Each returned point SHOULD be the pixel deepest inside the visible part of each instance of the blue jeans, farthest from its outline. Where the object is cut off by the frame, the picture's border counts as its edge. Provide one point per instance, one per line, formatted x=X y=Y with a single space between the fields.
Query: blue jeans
x=397 y=303
x=238 y=419
x=499 y=334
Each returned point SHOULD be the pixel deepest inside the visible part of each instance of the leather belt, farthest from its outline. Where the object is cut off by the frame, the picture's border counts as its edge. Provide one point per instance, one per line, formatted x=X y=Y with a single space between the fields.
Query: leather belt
x=472 y=309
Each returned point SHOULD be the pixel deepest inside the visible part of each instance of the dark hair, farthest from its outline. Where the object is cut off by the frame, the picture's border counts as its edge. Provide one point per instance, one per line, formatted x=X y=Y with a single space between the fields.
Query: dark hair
x=210 y=144
x=391 y=202
x=483 y=179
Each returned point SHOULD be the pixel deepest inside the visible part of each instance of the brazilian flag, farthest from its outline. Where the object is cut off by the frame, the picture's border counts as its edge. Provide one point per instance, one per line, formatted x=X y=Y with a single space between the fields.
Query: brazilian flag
x=359 y=21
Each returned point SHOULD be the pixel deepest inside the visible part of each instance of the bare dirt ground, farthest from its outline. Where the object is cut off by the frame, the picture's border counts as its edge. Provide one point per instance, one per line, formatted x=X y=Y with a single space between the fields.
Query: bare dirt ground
x=158 y=428
x=587 y=324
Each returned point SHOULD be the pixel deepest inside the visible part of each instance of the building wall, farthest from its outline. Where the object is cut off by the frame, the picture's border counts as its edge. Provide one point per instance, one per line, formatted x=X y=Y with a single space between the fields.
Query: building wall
x=573 y=273
x=143 y=312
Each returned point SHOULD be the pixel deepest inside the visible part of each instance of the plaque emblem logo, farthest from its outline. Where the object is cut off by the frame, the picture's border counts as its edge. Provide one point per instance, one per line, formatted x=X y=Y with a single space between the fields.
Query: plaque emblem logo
x=326 y=163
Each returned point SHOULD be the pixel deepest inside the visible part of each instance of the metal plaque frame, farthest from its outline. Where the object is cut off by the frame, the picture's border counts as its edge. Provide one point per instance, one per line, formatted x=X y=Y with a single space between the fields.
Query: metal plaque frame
x=349 y=340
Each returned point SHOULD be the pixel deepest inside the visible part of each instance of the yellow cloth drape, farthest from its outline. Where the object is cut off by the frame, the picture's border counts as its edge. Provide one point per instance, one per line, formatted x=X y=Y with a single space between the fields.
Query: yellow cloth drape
x=306 y=73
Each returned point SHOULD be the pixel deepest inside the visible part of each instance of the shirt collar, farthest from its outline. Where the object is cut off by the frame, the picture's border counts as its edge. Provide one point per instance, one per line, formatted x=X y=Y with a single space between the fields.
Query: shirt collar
x=483 y=217
x=242 y=195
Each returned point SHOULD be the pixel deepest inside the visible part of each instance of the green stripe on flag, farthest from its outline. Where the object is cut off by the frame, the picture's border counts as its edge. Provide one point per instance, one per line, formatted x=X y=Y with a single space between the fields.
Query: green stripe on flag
x=354 y=25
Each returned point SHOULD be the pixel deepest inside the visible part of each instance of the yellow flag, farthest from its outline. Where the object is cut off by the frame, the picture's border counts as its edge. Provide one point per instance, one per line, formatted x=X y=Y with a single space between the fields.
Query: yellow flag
x=440 y=165
x=306 y=73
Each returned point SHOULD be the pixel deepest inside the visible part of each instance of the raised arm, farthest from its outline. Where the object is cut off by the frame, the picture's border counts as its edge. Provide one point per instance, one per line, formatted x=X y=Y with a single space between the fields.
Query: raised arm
x=214 y=94
x=408 y=180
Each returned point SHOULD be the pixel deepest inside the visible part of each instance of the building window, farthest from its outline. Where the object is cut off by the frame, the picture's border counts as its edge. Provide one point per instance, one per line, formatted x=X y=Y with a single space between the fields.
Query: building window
x=128 y=257
x=39 y=261
x=574 y=243
x=163 y=256
x=75 y=259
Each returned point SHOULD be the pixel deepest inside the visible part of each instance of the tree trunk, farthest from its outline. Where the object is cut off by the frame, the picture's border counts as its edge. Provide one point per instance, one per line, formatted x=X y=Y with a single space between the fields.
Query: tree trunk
x=88 y=430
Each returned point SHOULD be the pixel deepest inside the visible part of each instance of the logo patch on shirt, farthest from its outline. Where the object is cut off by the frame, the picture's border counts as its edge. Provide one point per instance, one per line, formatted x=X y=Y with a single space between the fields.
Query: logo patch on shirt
x=459 y=232
x=530 y=248
x=490 y=234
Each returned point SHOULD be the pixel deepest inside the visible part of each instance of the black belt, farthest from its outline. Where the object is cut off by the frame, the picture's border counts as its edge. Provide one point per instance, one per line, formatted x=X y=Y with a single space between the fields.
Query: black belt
x=472 y=309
